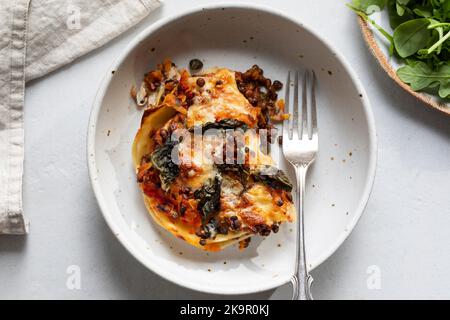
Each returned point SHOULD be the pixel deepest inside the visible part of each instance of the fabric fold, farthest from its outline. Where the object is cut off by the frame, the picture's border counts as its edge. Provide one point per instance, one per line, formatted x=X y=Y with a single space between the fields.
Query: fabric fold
x=12 y=92
x=37 y=37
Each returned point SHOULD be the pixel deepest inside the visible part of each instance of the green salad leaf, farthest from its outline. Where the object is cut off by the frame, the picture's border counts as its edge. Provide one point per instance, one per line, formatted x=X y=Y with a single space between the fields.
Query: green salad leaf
x=421 y=38
x=420 y=76
x=411 y=36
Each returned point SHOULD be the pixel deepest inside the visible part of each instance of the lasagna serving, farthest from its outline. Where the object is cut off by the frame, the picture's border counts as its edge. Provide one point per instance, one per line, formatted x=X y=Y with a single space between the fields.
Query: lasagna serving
x=200 y=158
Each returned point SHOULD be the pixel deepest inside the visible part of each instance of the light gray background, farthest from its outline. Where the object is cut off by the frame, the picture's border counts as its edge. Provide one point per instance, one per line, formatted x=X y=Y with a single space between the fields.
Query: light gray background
x=405 y=230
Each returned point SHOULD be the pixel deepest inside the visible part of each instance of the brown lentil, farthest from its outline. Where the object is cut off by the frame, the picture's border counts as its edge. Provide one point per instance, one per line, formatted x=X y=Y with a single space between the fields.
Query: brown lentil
x=277 y=85
x=223 y=228
x=195 y=64
x=200 y=82
x=260 y=92
x=275 y=228
x=235 y=223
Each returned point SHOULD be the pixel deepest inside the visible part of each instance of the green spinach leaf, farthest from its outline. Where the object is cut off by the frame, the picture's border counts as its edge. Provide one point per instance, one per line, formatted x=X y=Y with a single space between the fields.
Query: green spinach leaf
x=161 y=159
x=274 y=178
x=209 y=199
x=224 y=124
x=411 y=36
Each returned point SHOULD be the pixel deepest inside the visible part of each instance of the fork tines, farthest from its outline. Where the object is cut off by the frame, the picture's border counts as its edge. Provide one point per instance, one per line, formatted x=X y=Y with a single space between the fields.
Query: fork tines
x=301 y=125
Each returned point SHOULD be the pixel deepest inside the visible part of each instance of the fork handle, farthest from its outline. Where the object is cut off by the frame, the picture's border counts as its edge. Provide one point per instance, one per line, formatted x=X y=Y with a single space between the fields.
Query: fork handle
x=301 y=280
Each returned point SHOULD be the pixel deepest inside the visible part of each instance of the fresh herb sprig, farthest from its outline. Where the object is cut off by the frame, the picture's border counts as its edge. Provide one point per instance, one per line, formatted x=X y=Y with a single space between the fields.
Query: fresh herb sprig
x=421 y=38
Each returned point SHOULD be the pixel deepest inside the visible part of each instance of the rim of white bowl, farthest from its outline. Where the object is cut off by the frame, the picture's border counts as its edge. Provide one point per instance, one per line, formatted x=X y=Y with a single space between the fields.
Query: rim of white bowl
x=92 y=166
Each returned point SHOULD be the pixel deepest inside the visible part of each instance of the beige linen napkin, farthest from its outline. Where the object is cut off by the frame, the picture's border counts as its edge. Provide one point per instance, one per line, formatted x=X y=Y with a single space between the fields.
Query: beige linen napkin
x=37 y=37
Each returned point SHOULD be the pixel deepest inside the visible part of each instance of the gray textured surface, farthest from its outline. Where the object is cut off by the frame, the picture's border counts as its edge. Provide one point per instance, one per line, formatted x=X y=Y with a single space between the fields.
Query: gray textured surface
x=404 y=231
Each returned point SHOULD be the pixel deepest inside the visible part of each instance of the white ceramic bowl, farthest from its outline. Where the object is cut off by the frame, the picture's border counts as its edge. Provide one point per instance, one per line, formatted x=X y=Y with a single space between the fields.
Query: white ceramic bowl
x=236 y=36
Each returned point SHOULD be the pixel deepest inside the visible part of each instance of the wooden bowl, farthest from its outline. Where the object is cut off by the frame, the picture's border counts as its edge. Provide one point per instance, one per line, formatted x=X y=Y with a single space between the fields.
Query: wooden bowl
x=429 y=100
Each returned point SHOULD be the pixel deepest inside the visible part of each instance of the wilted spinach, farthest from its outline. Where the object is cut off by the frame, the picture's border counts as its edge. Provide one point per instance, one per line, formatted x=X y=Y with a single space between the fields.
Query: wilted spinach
x=271 y=176
x=421 y=38
x=161 y=159
x=241 y=170
x=274 y=178
x=224 y=124
x=208 y=197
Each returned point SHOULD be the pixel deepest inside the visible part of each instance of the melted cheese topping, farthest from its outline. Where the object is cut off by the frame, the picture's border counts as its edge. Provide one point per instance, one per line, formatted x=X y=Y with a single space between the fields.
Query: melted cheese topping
x=230 y=199
x=262 y=203
x=195 y=162
x=219 y=99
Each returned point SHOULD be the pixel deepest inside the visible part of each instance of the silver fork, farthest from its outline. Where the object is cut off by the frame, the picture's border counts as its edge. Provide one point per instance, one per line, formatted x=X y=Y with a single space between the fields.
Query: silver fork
x=300 y=145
